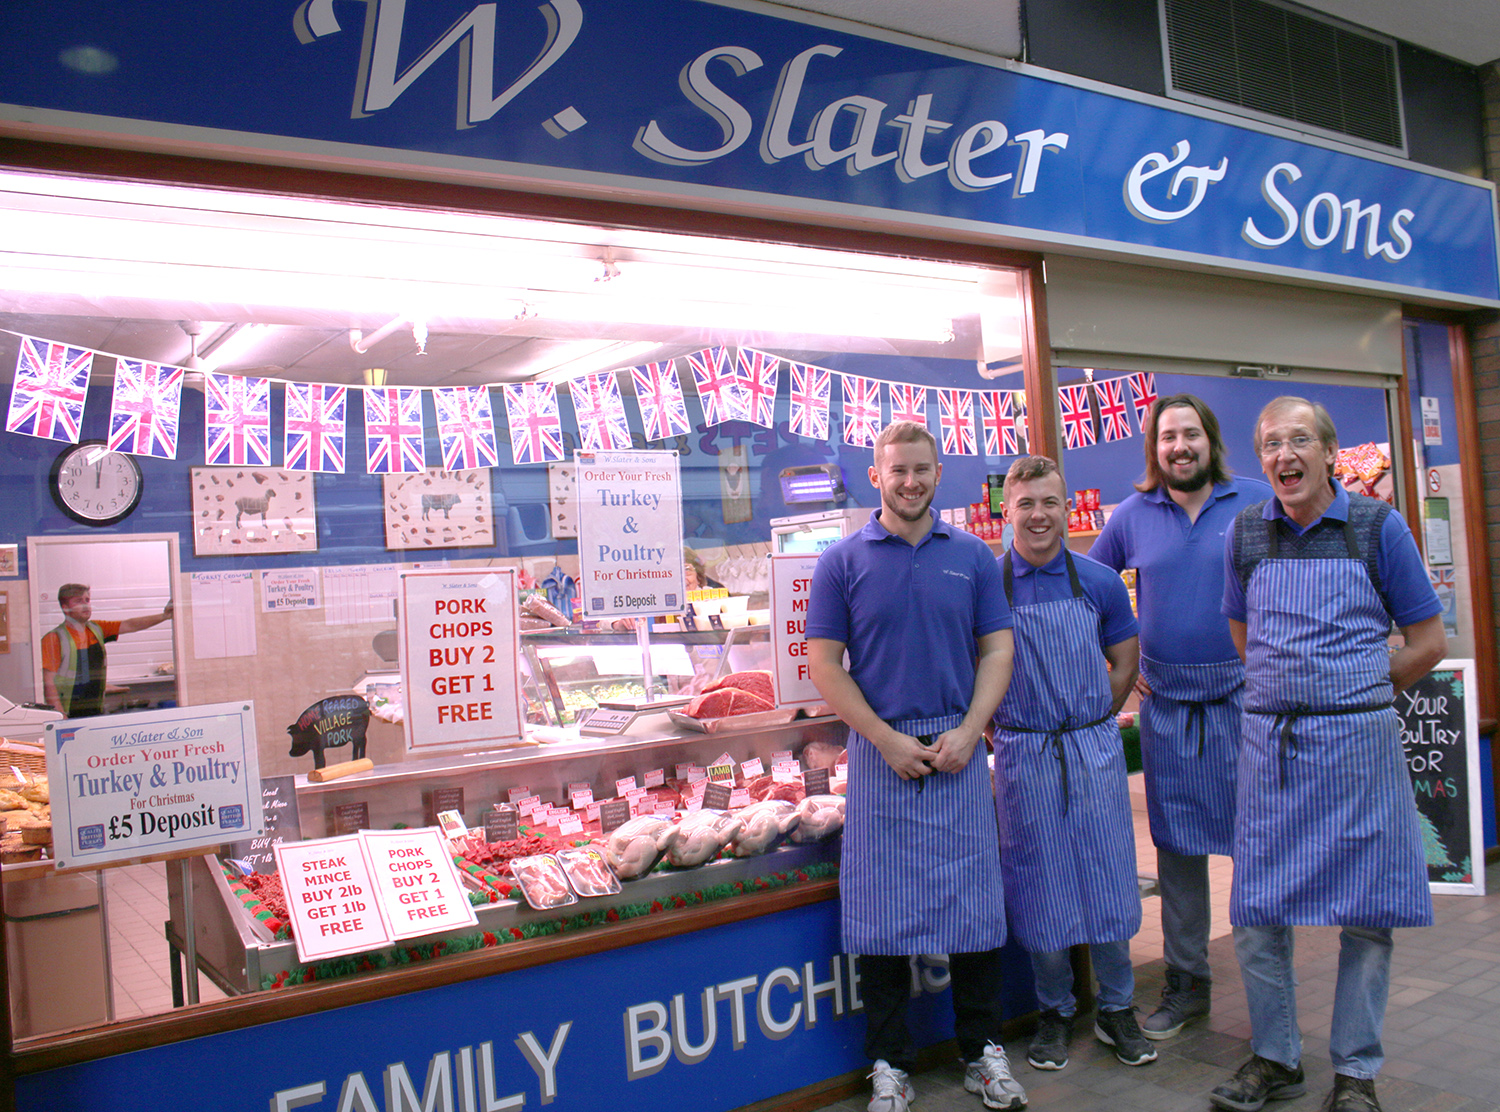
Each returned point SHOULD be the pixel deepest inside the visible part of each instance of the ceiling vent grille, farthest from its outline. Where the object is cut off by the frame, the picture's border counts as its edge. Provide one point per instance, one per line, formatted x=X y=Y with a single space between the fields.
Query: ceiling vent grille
x=1285 y=64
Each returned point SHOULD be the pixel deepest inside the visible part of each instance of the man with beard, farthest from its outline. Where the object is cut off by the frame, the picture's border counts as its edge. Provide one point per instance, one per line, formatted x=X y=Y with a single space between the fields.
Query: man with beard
x=921 y=610
x=1172 y=534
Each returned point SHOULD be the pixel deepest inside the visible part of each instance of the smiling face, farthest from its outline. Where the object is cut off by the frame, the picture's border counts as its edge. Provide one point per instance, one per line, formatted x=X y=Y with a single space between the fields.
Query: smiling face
x=1298 y=473
x=906 y=473
x=1183 y=449
x=1037 y=510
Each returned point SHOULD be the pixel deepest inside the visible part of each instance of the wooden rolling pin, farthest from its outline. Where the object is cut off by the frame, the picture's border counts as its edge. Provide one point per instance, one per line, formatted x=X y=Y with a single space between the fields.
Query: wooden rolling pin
x=333 y=772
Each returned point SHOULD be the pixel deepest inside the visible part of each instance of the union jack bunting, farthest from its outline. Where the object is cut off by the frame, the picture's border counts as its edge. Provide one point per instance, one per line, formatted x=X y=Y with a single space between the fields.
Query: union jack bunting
x=600 y=412
x=1078 y=422
x=146 y=407
x=908 y=403
x=718 y=386
x=535 y=428
x=315 y=426
x=1143 y=389
x=956 y=420
x=811 y=388
x=237 y=420
x=658 y=392
x=997 y=418
x=757 y=374
x=51 y=383
x=1114 y=414
x=861 y=411
x=466 y=427
x=393 y=430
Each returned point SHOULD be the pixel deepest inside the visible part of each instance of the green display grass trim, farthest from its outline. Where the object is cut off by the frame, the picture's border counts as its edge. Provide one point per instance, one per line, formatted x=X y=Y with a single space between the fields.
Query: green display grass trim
x=407 y=955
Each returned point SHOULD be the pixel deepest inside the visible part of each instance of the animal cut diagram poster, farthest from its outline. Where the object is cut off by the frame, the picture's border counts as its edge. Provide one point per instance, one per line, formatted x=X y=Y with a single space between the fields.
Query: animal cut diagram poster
x=438 y=509
x=253 y=510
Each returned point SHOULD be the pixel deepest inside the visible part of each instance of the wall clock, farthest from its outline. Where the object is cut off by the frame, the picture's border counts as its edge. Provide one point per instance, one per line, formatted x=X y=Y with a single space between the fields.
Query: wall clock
x=93 y=485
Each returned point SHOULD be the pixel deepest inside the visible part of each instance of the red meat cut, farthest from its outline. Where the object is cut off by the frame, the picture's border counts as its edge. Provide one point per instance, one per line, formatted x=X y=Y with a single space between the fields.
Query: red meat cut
x=757 y=682
x=725 y=702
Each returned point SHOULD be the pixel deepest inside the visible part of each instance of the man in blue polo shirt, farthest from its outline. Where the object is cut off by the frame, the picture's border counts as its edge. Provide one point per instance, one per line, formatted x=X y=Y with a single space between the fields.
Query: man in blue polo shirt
x=1325 y=824
x=1172 y=534
x=1067 y=840
x=920 y=608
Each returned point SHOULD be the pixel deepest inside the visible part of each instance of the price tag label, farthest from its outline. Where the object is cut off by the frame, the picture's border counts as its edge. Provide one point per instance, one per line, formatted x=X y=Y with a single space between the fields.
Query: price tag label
x=518 y=793
x=625 y=785
x=740 y=797
x=500 y=824
x=654 y=779
x=581 y=798
x=716 y=797
x=815 y=781
x=721 y=773
x=613 y=813
x=570 y=826
x=752 y=768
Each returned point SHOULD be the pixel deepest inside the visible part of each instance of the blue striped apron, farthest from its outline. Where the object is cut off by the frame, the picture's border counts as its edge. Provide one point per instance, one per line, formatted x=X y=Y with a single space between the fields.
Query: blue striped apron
x=920 y=871
x=1326 y=826
x=1190 y=742
x=1062 y=800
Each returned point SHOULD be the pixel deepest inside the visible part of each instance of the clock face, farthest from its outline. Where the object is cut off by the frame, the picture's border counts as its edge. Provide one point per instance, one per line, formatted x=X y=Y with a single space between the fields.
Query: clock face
x=94 y=485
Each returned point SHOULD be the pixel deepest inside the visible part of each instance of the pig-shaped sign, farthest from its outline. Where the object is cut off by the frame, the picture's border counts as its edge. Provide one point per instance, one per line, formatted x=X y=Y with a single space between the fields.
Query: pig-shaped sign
x=331 y=724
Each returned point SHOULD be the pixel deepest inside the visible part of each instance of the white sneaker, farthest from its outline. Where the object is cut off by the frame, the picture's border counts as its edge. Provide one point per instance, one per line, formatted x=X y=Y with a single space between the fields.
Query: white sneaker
x=893 y=1092
x=989 y=1076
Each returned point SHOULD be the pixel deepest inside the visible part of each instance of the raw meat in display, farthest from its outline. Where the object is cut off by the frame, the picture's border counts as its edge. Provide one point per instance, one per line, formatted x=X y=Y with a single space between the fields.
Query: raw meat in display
x=634 y=847
x=763 y=826
x=588 y=872
x=822 y=754
x=766 y=787
x=821 y=816
x=756 y=682
x=542 y=881
x=700 y=836
x=725 y=702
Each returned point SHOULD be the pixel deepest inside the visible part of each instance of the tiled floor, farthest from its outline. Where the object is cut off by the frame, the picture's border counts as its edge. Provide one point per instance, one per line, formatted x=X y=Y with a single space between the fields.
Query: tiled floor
x=136 y=902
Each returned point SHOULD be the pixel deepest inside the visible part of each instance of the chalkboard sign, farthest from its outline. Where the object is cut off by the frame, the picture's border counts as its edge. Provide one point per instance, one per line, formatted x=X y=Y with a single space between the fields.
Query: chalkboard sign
x=1440 y=739
x=331 y=724
x=278 y=802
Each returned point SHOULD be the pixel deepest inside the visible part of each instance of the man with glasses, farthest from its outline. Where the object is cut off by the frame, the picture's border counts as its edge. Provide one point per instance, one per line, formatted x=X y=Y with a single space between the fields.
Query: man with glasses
x=1172 y=534
x=1325 y=823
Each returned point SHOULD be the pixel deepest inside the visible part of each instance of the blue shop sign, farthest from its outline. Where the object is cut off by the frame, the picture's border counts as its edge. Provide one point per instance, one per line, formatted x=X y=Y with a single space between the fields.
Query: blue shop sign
x=707 y=101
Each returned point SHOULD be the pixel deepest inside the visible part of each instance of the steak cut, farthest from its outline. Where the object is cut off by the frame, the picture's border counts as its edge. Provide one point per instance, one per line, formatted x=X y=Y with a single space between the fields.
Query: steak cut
x=757 y=682
x=726 y=701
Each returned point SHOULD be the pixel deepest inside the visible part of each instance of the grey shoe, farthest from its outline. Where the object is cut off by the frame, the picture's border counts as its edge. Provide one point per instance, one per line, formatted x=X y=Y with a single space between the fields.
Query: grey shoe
x=989 y=1076
x=1258 y=1081
x=893 y=1092
x=1049 y=1046
x=1118 y=1028
x=1351 y=1094
x=1183 y=997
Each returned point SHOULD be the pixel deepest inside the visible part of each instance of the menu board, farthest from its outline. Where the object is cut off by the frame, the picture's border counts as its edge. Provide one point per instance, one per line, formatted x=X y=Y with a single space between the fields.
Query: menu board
x=630 y=533
x=282 y=819
x=791 y=578
x=460 y=644
x=1440 y=738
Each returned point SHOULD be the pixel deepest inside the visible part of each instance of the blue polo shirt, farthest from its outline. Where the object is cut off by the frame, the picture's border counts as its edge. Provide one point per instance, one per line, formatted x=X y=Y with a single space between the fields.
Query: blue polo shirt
x=910 y=615
x=1102 y=586
x=1179 y=564
x=1403 y=578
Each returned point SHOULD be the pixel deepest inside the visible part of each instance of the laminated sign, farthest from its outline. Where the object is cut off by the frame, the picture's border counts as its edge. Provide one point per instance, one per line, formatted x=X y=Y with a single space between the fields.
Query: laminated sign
x=630 y=533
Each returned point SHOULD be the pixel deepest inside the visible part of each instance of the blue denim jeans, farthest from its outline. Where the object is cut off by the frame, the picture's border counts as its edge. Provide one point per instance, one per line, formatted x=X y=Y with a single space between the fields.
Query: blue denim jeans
x=1112 y=969
x=1364 y=982
x=1185 y=911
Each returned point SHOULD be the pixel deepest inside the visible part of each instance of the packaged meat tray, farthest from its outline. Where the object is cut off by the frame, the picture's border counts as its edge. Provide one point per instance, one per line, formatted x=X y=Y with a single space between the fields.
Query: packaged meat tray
x=542 y=881
x=754 y=721
x=588 y=872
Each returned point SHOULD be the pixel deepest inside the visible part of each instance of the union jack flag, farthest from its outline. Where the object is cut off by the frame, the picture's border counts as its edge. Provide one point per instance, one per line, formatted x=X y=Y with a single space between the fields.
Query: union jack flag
x=997 y=418
x=51 y=383
x=1078 y=422
x=718 y=386
x=1114 y=415
x=956 y=418
x=146 y=407
x=237 y=420
x=535 y=428
x=466 y=427
x=1143 y=387
x=600 y=412
x=1441 y=577
x=861 y=411
x=908 y=403
x=315 y=426
x=811 y=389
x=757 y=374
x=393 y=430
x=658 y=392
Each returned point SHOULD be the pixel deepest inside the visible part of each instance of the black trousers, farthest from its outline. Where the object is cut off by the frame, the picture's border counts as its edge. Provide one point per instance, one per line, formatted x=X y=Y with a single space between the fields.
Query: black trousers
x=885 y=988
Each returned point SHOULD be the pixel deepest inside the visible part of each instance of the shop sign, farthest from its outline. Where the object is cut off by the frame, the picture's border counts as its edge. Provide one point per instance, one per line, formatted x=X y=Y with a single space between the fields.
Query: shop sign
x=791 y=580
x=460 y=646
x=153 y=783
x=630 y=533
x=736 y=106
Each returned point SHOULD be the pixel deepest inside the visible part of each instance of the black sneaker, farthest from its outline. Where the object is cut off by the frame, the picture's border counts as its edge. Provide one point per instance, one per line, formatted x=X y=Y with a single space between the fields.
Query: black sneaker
x=1119 y=1029
x=1258 y=1081
x=1352 y=1094
x=1183 y=997
x=1049 y=1046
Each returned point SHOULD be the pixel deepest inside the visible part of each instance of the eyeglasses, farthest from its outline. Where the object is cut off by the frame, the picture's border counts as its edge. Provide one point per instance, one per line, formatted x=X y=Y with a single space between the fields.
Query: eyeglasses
x=1296 y=443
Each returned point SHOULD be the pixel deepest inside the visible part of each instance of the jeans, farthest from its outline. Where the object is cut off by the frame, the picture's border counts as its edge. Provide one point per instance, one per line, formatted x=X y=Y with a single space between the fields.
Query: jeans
x=1359 y=999
x=1185 y=911
x=1112 y=969
x=885 y=987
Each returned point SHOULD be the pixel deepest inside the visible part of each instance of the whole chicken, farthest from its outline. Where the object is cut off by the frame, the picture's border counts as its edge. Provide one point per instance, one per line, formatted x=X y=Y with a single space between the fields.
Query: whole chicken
x=822 y=816
x=635 y=846
x=763 y=826
x=700 y=836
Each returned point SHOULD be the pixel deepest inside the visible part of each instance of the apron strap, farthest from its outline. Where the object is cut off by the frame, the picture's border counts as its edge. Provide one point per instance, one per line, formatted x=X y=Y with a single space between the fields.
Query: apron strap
x=1053 y=738
x=1286 y=745
x=1073 y=580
